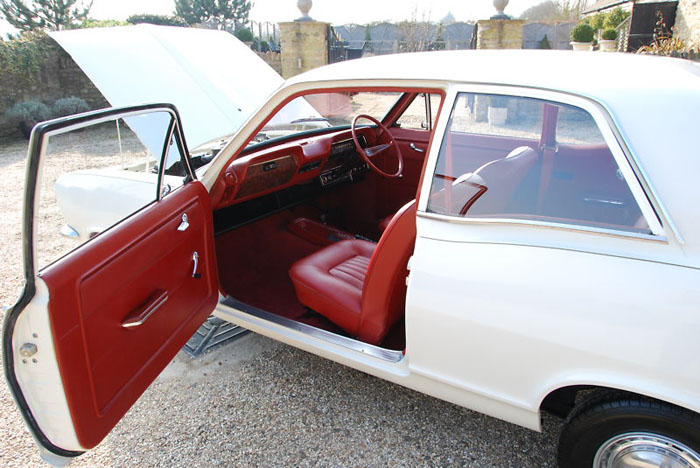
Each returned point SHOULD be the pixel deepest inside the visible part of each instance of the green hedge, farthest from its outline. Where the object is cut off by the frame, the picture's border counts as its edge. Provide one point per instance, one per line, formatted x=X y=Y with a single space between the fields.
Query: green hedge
x=162 y=20
x=20 y=58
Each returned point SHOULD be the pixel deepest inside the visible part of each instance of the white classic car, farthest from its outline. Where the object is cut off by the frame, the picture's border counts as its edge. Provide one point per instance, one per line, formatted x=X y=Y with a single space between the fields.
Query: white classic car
x=543 y=261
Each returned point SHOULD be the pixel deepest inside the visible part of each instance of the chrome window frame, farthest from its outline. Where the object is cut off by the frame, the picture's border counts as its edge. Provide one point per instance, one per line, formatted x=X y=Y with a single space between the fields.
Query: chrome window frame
x=89 y=119
x=625 y=160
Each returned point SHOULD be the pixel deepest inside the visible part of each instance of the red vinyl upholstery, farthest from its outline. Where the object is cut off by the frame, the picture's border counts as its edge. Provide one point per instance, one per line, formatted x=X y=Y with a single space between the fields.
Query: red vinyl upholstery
x=330 y=281
x=384 y=223
x=360 y=288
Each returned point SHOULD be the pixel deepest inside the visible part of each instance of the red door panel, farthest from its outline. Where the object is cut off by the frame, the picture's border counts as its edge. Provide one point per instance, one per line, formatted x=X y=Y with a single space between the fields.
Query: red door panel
x=142 y=268
x=395 y=193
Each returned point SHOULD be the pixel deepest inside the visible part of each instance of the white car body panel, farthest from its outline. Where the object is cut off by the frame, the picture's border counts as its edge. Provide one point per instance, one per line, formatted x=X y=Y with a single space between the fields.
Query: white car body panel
x=400 y=372
x=214 y=80
x=547 y=332
x=40 y=381
x=93 y=200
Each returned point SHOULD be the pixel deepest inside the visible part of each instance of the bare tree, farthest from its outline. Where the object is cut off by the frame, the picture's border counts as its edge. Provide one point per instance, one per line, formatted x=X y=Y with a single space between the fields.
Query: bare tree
x=415 y=35
x=562 y=10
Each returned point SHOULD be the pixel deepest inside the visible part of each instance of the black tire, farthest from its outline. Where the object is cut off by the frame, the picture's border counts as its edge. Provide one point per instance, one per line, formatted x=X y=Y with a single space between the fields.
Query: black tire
x=607 y=414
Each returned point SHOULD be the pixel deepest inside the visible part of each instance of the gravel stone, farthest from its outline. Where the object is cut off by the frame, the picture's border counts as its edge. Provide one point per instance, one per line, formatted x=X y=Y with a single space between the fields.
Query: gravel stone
x=257 y=402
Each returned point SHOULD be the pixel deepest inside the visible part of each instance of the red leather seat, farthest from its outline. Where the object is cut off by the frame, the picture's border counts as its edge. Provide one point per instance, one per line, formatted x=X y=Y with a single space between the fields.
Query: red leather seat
x=332 y=279
x=360 y=287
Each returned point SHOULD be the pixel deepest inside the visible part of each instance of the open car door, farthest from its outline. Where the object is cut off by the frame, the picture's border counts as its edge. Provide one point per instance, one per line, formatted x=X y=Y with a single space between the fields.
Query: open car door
x=95 y=326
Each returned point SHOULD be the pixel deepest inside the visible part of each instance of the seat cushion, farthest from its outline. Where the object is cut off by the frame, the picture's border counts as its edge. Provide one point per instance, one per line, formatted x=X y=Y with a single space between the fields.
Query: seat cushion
x=330 y=281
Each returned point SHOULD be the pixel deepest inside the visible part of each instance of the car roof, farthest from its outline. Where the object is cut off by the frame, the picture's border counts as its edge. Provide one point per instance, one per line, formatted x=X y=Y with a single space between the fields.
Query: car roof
x=586 y=73
x=654 y=102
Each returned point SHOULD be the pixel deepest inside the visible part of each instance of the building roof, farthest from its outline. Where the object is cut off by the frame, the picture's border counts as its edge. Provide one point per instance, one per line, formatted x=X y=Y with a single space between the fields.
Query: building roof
x=606 y=4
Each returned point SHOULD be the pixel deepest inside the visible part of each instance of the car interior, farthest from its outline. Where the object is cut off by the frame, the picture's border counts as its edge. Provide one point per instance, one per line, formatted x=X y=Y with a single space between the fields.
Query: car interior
x=316 y=225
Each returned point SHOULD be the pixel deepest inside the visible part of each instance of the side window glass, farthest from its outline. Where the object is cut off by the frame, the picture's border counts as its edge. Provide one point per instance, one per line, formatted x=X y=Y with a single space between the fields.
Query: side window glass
x=533 y=159
x=94 y=177
x=416 y=115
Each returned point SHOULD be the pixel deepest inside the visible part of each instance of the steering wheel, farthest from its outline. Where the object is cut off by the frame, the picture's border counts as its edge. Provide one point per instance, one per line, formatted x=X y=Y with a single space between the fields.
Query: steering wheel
x=368 y=153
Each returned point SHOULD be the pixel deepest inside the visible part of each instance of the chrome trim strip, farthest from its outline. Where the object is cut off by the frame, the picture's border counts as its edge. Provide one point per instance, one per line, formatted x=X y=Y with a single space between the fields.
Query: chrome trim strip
x=542 y=224
x=350 y=343
x=603 y=201
x=640 y=172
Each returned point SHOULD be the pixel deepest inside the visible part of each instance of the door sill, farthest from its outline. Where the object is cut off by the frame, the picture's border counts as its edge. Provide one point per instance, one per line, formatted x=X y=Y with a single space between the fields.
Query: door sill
x=389 y=355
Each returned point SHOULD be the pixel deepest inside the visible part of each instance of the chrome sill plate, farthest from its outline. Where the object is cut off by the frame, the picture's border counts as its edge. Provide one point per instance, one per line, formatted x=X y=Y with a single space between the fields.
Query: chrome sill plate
x=339 y=340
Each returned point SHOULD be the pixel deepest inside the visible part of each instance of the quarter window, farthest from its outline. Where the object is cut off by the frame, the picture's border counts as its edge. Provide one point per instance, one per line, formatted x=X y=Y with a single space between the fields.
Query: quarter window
x=524 y=158
x=420 y=114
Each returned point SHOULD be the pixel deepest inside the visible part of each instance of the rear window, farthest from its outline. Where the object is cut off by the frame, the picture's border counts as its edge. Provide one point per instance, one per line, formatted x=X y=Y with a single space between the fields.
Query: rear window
x=522 y=158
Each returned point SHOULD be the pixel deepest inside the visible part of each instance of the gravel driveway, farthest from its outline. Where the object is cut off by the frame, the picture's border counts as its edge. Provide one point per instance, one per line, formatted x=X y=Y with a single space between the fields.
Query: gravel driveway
x=260 y=403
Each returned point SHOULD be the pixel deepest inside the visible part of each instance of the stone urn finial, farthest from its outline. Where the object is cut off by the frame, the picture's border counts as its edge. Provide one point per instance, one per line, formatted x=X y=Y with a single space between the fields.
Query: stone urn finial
x=304 y=6
x=500 y=6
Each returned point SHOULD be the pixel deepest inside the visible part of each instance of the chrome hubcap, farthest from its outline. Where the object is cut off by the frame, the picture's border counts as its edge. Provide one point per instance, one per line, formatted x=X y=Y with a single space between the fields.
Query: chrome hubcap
x=645 y=450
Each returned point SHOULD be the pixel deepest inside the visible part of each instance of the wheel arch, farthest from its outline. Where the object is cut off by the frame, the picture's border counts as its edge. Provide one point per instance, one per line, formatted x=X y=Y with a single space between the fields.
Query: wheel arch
x=561 y=399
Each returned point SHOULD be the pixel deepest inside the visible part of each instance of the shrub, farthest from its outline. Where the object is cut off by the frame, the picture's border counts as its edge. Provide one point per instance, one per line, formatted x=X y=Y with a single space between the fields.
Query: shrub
x=69 y=106
x=597 y=21
x=107 y=23
x=615 y=18
x=544 y=43
x=244 y=35
x=582 y=32
x=609 y=34
x=162 y=20
x=27 y=114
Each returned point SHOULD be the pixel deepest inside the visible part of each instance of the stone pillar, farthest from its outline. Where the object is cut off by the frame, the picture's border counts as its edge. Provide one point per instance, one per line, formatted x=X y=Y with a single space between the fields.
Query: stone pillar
x=500 y=34
x=496 y=34
x=304 y=45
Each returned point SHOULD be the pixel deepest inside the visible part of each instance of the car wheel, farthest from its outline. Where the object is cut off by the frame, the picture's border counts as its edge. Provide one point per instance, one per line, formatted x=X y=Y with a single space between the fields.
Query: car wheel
x=622 y=430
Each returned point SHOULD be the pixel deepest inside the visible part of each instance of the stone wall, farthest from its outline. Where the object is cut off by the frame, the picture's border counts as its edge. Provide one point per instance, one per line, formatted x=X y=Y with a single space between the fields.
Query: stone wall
x=274 y=59
x=687 y=25
x=58 y=76
x=304 y=46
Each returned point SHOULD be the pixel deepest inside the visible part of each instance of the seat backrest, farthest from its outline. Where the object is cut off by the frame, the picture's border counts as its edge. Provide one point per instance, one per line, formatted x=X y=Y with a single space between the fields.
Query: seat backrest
x=384 y=289
x=502 y=177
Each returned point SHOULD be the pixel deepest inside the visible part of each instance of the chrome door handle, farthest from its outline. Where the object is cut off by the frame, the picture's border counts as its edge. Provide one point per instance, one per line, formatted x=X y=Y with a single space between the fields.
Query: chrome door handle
x=195 y=259
x=184 y=224
x=415 y=148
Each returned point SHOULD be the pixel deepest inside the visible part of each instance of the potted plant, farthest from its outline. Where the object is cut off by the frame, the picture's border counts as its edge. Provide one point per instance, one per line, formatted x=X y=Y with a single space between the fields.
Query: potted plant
x=498 y=110
x=581 y=37
x=608 y=40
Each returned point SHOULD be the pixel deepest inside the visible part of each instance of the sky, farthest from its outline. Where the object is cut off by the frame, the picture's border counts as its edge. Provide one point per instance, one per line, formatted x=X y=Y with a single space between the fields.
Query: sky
x=332 y=11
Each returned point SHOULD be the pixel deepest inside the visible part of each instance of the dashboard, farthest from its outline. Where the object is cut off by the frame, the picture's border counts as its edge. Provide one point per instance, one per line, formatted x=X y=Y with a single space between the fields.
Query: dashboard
x=326 y=160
